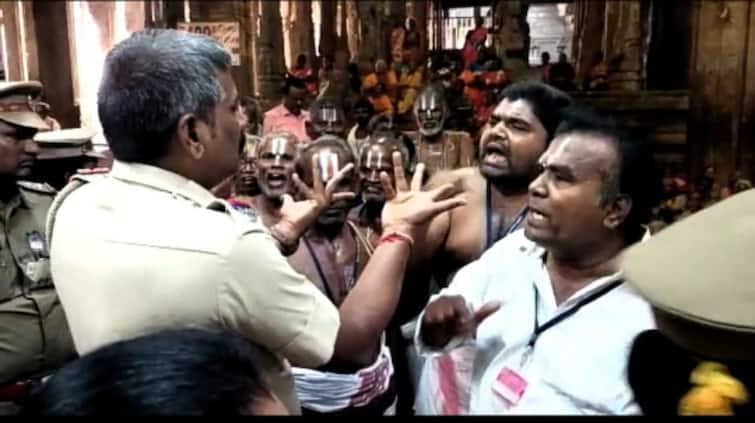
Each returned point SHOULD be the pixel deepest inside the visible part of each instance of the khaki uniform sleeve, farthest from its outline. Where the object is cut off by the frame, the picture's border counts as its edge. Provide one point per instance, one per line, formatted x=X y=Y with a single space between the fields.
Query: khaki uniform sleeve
x=264 y=299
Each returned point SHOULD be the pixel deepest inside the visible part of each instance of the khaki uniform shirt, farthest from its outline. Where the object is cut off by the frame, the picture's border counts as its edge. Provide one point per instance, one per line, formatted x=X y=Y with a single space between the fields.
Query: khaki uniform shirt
x=34 y=336
x=143 y=249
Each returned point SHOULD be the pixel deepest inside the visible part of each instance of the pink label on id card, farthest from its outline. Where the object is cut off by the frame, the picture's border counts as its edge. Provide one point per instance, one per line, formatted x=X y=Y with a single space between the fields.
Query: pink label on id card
x=510 y=385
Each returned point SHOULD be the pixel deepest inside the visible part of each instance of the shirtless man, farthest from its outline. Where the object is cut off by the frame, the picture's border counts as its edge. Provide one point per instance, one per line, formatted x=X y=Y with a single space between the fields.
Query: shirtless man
x=245 y=184
x=439 y=149
x=275 y=159
x=332 y=256
x=518 y=132
x=375 y=158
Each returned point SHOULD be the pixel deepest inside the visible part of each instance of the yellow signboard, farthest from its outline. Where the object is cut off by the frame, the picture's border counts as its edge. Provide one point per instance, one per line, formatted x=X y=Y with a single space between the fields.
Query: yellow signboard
x=227 y=33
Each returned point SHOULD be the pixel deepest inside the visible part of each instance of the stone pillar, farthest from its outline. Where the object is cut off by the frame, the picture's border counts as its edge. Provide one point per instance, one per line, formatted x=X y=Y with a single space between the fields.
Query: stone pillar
x=300 y=31
x=352 y=27
x=55 y=71
x=419 y=9
x=328 y=33
x=622 y=43
x=588 y=34
x=342 y=41
x=270 y=66
x=371 y=28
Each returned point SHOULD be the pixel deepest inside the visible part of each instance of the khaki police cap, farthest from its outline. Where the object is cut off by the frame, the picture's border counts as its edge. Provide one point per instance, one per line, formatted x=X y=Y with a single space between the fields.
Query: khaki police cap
x=17 y=104
x=64 y=143
x=699 y=276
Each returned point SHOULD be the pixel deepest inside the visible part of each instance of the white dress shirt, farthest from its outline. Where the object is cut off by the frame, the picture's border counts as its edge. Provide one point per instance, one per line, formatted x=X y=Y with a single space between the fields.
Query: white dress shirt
x=576 y=367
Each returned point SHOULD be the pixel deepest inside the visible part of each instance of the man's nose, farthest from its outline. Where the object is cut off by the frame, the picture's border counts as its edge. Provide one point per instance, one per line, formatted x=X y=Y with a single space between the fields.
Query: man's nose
x=537 y=187
x=31 y=147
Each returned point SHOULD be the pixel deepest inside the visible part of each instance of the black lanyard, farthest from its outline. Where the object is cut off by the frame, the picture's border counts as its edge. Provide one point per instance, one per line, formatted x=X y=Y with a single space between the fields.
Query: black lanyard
x=539 y=330
x=515 y=224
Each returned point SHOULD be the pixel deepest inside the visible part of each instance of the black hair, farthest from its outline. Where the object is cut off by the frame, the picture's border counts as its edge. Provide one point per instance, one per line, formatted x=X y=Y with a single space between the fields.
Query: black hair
x=290 y=82
x=364 y=103
x=637 y=175
x=547 y=102
x=173 y=372
x=659 y=375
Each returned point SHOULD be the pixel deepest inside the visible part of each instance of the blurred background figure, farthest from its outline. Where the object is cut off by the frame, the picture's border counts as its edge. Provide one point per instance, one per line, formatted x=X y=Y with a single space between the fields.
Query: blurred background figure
x=43 y=109
x=62 y=153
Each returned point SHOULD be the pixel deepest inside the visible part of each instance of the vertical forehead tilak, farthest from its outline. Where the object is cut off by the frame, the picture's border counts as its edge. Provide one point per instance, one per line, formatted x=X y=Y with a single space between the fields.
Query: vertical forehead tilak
x=328 y=114
x=278 y=145
x=375 y=158
x=329 y=163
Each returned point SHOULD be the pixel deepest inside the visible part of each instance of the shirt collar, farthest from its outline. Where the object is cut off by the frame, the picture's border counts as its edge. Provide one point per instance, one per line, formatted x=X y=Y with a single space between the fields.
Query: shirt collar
x=543 y=283
x=283 y=111
x=163 y=180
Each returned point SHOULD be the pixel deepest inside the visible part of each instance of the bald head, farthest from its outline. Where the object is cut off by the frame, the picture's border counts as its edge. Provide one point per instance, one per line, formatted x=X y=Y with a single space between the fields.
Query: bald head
x=431 y=110
x=333 y=154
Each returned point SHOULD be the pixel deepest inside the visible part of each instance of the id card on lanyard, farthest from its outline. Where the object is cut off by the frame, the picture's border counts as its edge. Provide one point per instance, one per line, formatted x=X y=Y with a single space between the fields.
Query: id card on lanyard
x=511 y=384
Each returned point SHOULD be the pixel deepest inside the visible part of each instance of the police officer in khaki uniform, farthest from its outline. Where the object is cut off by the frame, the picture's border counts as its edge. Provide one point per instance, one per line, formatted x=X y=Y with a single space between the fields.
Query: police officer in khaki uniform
x=699 y=276
x=163 y=252
x=62 y=153
x=34 y=336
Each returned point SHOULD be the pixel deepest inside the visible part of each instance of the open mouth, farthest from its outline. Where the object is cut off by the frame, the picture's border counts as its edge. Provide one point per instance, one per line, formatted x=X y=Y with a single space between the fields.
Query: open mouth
x=277 y=180
x=535 y=216
x=495 y=153
x=373 y=189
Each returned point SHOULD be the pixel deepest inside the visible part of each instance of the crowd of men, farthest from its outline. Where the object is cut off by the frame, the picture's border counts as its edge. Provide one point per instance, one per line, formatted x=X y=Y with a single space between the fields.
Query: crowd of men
x=330 y=257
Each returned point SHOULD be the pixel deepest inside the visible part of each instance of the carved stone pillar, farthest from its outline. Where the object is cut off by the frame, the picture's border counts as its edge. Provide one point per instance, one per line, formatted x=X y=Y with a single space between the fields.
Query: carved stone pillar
x=418 y=11
x=328 y=33
x=270 y=63
x=622 y=43
x=588 y=33
x=300 y=31
x=371 y=27
x=352 y=27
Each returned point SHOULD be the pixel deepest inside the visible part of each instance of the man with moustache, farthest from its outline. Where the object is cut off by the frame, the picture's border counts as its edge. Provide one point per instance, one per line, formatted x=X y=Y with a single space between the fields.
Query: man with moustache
x=439 y=149
x=168 y=107
x=520 y=128
x=332 y=255
x=544 y=314
x=34 y=335
x=359 y=380
x=245 y=184
x=375 y=158
x=275 y=158
x=519 y=131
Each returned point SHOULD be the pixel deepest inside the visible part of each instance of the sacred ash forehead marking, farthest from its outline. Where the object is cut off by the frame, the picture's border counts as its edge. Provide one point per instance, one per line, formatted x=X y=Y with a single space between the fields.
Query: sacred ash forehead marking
x=329 y=161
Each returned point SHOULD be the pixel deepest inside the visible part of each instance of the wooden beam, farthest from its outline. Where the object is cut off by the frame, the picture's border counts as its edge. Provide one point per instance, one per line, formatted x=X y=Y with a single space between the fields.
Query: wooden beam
x=51 y=31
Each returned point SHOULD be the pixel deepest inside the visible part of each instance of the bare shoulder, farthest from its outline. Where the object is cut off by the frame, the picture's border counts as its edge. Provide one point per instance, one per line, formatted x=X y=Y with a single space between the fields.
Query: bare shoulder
x=455 y=176
x=467 y=179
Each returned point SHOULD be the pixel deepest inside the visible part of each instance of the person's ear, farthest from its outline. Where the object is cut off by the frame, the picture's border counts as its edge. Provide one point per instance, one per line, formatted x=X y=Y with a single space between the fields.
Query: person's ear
x=617 y=211
x=188 y=136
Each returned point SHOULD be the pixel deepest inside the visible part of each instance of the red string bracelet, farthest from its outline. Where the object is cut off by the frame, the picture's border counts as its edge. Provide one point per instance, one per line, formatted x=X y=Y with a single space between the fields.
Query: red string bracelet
x=396 y=237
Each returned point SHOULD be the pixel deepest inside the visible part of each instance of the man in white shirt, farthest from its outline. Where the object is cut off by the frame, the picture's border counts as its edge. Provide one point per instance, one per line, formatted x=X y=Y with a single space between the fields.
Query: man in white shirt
x=543 y=318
